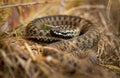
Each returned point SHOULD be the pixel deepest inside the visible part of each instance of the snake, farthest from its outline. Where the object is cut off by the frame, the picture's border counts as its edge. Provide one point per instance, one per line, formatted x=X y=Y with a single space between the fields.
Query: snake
x=67 y=33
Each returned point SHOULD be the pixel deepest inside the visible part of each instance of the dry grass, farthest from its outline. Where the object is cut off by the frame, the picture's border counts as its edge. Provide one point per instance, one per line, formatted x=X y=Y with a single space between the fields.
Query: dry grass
x=25 y=59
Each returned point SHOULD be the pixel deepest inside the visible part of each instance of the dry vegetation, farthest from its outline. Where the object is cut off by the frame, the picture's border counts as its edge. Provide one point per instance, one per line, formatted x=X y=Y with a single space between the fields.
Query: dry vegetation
x=21 y=58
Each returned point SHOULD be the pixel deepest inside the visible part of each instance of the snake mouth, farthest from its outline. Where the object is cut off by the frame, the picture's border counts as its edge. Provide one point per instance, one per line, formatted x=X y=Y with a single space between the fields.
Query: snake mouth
x=67 y=34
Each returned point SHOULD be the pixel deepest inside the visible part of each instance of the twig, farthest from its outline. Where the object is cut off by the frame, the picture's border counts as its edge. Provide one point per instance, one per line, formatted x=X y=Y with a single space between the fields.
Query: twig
x=29 y=3
x=112 y=67
x=108 y=9
x=6 y=58
x=30 y=51
x=103 y=21
x=92 y=6
x=86 y=7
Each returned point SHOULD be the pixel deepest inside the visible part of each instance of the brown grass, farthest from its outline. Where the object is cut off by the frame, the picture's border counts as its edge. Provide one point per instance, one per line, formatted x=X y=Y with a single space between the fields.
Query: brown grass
x=24 y=59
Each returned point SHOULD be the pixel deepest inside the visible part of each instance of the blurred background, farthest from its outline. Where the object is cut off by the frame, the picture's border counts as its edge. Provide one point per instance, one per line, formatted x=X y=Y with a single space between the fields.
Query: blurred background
x=15 y=13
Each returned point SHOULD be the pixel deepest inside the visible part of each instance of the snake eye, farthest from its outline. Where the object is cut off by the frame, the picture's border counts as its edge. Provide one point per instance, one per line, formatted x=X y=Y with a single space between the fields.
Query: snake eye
x=41 y=33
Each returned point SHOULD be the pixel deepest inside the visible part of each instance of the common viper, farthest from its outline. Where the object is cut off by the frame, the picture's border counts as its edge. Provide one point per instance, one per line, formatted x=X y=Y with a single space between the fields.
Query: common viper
x=64 y=32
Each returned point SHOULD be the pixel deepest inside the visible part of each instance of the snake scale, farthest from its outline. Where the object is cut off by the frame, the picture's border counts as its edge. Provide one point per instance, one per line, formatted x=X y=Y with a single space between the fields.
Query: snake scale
x=64 y=32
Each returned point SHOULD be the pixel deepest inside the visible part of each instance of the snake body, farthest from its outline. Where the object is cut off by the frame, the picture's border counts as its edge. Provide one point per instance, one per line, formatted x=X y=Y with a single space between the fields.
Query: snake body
x=64 y=32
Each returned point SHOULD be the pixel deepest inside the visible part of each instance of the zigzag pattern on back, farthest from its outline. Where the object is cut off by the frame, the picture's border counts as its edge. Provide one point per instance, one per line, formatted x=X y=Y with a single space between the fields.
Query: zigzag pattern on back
x=82 y=33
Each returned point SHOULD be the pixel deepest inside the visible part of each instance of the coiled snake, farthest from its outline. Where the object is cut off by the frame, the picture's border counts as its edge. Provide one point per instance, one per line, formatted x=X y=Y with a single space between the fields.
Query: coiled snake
x=64 y=32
